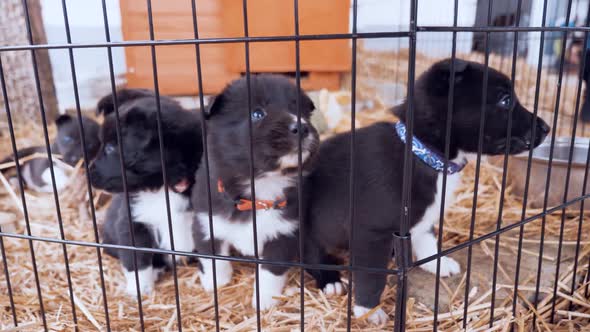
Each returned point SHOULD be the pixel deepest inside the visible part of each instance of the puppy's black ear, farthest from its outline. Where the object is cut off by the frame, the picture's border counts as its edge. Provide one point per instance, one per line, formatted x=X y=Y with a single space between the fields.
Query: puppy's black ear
x=307 y=105
x=63 y=119
x=106 y=105
x=214 y=106
x=442 y=74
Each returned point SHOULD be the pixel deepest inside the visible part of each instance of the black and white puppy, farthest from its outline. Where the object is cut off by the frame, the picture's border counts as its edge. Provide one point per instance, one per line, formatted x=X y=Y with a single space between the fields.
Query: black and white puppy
x=181 y=134
x=379 y=159
x=275 y=137
x=68 y=144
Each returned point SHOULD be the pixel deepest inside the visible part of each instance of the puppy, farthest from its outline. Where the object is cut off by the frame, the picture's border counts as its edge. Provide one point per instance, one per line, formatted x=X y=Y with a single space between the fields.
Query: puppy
x=275 y=135
x=379 y=160
x=106 y=105
x=181 y=133
x=68 y=144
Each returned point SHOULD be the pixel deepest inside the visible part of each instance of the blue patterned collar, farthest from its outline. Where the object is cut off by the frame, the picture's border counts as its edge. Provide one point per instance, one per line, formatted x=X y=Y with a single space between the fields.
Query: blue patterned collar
x=428 y=155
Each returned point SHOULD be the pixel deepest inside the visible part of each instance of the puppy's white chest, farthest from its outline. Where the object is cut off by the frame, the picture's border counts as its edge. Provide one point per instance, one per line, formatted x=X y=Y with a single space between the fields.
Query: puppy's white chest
x=270 y=224
x=432 y=214
x=149 y=207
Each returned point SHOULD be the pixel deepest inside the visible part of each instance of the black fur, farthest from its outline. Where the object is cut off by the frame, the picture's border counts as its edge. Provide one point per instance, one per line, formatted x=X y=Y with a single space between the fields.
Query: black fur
x=274 y=136
x=138 y=120
x=116 y=231
x=182 y=141
x=106 y=105
x=379 y=158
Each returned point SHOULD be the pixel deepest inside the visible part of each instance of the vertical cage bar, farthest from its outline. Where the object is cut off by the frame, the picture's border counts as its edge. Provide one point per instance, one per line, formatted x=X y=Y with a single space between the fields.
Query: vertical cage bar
x=251 y=151
x=163 y=162
x=86 y=162
x=505 y=166
x=50 y=158
x=205 y=158
x=122 y=160
x=482 y=122
x=2 y=248
x=400 y=303
x=8 y=284
x=585 y=181
x=22 y=194
x=351 y=197
x=300 y=210
x=550 y=162
x=529 y=161
x=441 y=220
x=567 y=183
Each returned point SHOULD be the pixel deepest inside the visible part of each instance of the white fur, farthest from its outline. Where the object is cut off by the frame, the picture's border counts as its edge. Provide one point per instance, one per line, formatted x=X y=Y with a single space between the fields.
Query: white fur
x=61 y=179
x=333 y=289
x=223 y=270
x=378 y=317
x=149 y=207
x=147 y=279
x=271 y=286
x=270 y=224
x=303 y=121
x=292 y=159
x=424 y=242
x=270 y=186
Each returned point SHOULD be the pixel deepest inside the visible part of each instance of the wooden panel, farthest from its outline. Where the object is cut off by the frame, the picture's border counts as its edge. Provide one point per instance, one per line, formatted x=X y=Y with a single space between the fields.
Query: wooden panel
x=177 y=69
x=222 y=63
x=315 y=17
x=321 y=80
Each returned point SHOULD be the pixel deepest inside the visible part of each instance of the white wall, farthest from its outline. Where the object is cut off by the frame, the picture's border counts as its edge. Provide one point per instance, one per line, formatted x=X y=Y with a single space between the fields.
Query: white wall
x=394 y=15
x=86 y=26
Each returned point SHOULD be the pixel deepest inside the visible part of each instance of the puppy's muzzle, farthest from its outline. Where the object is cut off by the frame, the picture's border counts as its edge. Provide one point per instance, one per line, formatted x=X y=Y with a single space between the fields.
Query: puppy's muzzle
x=294 y=129
x=542 y=131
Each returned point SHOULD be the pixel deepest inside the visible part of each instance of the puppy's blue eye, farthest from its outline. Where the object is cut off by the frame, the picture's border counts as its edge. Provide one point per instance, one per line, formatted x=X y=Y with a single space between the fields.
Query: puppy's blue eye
x=505 y=101
x=258 y=114
x=109 y=148
x=67 y=139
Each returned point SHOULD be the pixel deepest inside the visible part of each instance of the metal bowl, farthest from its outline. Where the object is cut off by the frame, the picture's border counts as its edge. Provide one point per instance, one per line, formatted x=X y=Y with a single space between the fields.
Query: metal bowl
x=559 y=165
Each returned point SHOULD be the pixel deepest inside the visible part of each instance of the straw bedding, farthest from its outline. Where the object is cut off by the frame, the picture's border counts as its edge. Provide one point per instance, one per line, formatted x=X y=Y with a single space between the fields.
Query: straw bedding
x=321 y=313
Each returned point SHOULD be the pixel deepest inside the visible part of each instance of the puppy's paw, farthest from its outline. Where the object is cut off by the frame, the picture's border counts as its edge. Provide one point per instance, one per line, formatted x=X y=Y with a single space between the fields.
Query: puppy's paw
x=448 y=267
x=333 y=289
x=377 y=317
x=267 y=300
x=271 y=287
x=147 y=280
x=223 y=271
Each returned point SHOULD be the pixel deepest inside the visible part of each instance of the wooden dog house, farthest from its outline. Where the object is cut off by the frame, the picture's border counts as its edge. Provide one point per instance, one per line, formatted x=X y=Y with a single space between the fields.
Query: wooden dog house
x=322 y=61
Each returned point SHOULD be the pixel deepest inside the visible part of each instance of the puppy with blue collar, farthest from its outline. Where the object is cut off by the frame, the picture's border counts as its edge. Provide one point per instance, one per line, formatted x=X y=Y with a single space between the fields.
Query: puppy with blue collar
x=379 y=175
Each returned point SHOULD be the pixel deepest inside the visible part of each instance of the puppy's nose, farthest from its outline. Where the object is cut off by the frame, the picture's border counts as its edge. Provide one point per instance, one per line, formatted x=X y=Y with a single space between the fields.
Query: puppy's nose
x=543 y=127
x=294 y=129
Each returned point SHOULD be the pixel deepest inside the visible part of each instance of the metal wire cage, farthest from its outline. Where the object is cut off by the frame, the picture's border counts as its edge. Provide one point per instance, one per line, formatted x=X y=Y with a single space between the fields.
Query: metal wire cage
x=514 y=31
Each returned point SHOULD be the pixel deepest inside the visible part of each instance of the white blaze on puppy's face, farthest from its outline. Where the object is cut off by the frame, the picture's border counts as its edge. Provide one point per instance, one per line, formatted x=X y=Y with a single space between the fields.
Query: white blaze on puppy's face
x=291 y=160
